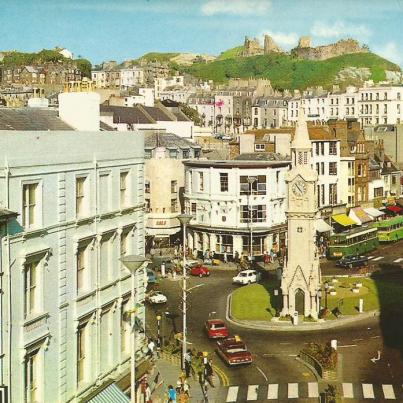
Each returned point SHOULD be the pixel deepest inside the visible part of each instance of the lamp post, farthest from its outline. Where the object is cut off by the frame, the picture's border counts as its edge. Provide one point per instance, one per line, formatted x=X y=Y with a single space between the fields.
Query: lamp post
x=251 y=181
x=326 y=289
x=184 y=220
x=133 y=263
x=159 y=343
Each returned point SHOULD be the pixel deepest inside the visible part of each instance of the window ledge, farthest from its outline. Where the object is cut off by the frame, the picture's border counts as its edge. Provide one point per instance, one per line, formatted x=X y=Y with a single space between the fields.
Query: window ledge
x=84 y=295
x=108 y=285
x=34 y=232
x=36 y=317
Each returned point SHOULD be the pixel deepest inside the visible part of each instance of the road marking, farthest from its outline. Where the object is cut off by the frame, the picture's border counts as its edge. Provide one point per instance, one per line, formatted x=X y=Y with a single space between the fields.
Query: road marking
x=375 y=337
x=313 y=390
x=252 y=392
x=370 y=257
x=368 y=391
x=264 y=375
x=398 y=260
x=232 y=393
x=357 y=339
x=348 y=345
x=222 y=375
x=377 y=258
x=348 y=390
x=284 y=343
x=272 y=392
x=388 y=392
x=293 y=390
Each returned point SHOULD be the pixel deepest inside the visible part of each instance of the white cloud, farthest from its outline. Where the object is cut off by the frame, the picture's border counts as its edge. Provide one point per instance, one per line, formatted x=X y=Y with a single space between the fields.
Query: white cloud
x=339 y=29
x=282 y=39
x=391 y=52
x=236 y=7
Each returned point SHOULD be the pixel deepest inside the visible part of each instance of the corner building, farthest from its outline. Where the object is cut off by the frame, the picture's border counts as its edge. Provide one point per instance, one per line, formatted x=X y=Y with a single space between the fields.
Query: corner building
x=228 y=211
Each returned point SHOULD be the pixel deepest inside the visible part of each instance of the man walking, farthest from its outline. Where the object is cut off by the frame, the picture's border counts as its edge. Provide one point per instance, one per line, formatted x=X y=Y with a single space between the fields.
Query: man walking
x=188 y=363
x=209 y=372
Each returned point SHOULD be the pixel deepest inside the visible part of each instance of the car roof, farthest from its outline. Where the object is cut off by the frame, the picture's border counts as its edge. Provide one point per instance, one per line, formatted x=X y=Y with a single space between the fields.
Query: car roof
x=247 y=271
x=232 y=343
x=215 y=321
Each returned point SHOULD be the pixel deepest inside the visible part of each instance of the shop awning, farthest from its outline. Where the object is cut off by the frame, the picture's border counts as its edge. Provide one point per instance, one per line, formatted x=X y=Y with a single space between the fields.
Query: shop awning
x=343 y=220
x=361 y=215
x=373 y=212
x=394 y=209
x=322 y=226
x=111 y=394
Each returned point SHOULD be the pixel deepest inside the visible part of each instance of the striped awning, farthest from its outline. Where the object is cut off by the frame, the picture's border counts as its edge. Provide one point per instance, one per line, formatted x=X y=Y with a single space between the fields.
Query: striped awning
x=322 y=226
x=111 y=394
x=343 y=220
x=373 y=212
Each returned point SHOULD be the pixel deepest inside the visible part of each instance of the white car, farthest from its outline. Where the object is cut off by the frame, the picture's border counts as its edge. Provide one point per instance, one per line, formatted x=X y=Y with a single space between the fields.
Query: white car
x=157 y=297
x=246 y=277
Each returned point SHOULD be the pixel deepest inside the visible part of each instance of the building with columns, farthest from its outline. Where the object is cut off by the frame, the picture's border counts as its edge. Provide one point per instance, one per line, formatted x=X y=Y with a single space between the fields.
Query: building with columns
x=301 y=274
x=234 y=201
x=65 y=296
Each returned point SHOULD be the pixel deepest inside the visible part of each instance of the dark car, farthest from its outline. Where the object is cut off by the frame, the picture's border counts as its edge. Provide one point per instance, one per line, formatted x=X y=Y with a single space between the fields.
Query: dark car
x=234 y=351
x=200 y=271
x=216 y=328
x=352 y=261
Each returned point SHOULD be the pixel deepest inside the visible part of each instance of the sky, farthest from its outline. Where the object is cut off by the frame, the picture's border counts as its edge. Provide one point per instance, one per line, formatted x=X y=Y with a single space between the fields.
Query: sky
x=126 y=29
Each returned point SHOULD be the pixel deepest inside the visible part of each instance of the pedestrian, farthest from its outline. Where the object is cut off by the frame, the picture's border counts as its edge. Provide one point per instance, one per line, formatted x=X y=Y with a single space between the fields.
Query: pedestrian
x=225 y=258
x=171 y=394
x=209 y=372
x=186 y=388
x=179 y=385
x=188 y=362
x=236 y=257
x=151 y=346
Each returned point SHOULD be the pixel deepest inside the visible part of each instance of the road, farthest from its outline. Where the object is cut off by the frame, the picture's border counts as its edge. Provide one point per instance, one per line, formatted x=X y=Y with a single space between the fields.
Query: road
x=275 y=352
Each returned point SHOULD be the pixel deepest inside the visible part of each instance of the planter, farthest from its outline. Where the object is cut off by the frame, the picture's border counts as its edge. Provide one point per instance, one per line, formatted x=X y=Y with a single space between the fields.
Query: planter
x=358 y=285
x=333 y=292
x=355 y=290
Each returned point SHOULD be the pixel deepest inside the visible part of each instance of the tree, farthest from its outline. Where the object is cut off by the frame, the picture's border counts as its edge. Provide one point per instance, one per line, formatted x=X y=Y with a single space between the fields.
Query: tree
x=192 y=114
x=85 y=66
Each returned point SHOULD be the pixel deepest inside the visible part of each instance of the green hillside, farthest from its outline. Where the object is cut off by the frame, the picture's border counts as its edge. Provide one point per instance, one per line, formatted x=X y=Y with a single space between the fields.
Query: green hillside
x=230 y=53
x=285 y=71
x=158 y=56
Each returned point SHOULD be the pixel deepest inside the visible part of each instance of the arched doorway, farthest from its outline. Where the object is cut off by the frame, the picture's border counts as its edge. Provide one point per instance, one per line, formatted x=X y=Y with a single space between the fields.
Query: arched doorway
x=300 y=301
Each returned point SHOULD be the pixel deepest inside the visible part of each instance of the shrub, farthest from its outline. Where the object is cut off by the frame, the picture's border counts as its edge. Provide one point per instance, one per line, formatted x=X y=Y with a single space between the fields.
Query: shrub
x=323 y=353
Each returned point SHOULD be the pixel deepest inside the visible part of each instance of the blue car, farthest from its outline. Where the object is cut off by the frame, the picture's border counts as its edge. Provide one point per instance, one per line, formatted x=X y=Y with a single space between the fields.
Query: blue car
x=151 y=277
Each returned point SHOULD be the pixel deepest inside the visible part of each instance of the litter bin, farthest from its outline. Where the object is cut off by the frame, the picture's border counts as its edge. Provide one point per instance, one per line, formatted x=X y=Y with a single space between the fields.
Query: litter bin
x=295 y=318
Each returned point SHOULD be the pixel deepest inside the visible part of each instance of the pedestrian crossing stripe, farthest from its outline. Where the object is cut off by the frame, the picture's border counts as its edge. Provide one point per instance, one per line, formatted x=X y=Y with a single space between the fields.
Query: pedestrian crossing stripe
x=377 y=258
x=295 y=390
x=370 y=257
x=398 y=260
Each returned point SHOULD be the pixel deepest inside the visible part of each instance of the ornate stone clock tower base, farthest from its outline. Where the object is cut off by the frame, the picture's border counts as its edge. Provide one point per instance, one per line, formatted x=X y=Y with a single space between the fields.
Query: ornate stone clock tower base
x=301 y=274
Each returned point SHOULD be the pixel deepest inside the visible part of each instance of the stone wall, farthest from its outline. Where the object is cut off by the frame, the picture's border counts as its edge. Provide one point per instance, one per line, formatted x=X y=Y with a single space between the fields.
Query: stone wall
x=342 y=47
x=251 y=47
x=270 y=46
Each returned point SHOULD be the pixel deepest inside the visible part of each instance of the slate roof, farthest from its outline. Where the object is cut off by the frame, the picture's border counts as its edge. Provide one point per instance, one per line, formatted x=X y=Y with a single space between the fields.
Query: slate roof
x=125 y=114
x=157 y=113
x=181 y=117
x=31 y=119
x=105 y=127
x=168 y=140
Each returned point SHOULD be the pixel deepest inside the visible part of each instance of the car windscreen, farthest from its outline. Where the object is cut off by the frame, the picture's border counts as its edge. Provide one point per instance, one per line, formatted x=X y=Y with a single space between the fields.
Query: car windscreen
x=218 y=326
x=242 y=274
x=236 y=350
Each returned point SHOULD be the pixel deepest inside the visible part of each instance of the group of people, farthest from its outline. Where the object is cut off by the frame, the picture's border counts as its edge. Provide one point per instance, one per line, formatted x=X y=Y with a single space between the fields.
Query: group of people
x=181 y=393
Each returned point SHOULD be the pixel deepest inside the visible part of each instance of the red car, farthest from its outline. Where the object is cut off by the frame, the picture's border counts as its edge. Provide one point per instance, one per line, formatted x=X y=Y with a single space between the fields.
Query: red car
x=233 y=351
x=200 y=271
x=216 y=328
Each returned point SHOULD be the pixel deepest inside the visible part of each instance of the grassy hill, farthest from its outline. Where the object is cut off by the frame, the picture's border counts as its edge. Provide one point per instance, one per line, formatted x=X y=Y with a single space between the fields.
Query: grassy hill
x=285 y=71
x=230 y=53
x=158 y=56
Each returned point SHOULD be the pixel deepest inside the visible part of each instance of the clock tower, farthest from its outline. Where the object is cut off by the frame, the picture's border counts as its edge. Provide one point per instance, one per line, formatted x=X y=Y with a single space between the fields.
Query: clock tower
x=301 y=274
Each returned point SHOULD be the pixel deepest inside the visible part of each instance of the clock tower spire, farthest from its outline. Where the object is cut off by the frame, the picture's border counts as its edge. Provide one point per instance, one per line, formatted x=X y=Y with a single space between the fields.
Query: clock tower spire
x=301 y=274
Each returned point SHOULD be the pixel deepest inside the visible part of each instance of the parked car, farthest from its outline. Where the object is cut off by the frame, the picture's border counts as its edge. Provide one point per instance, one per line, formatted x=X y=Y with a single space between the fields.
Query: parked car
x=216 y=328
x=352 y=261
x=233 y=351
x=200 y=271
x=151 y=277
x=246 y=277
x=191 y=263
x=156 y=297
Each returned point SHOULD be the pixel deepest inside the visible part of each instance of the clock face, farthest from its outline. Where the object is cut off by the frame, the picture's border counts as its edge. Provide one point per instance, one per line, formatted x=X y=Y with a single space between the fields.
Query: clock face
x=299 y=188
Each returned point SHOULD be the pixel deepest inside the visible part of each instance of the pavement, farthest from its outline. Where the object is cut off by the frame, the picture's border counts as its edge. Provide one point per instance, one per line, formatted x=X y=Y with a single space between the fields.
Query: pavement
x=170 y=372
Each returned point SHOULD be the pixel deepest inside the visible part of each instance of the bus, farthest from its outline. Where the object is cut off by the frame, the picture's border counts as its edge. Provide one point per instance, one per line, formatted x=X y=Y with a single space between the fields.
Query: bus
x=353 y=242
x=390 y=230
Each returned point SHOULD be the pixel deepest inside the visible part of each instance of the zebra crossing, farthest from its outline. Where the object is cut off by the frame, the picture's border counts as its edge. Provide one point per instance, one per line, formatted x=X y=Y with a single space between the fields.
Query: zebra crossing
x=311 y=390
x=378 y=258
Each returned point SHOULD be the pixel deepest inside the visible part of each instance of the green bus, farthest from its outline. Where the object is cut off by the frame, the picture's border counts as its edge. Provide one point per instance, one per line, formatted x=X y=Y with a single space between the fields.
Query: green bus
x=353 y=242
x=390 y=230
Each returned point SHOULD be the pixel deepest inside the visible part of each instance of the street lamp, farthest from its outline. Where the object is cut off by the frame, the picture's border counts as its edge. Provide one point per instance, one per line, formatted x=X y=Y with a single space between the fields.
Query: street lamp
x=251 y=181
x=133 y=263
x=326 y=289
x=159 y=343
x=184 y=220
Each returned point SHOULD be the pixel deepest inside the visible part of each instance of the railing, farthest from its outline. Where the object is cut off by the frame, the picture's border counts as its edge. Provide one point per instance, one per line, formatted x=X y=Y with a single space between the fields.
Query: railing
x=328 y=374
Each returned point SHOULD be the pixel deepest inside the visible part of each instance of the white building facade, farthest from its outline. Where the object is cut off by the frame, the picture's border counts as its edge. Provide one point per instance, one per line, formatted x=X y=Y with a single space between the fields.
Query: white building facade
x=228 y=211
x=80 y=200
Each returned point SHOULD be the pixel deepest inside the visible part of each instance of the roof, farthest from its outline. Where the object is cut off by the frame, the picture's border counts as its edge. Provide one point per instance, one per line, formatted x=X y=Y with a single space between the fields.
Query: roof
x=373 y=212
x=6 y=214
x=29 y=119
x=126 y=114
x=235 y=164
x=105 y=127
x=168 y=140
x=157 y=113
x=361 y=215
x=262 y=156
x=343 y=220
x=181 y=117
